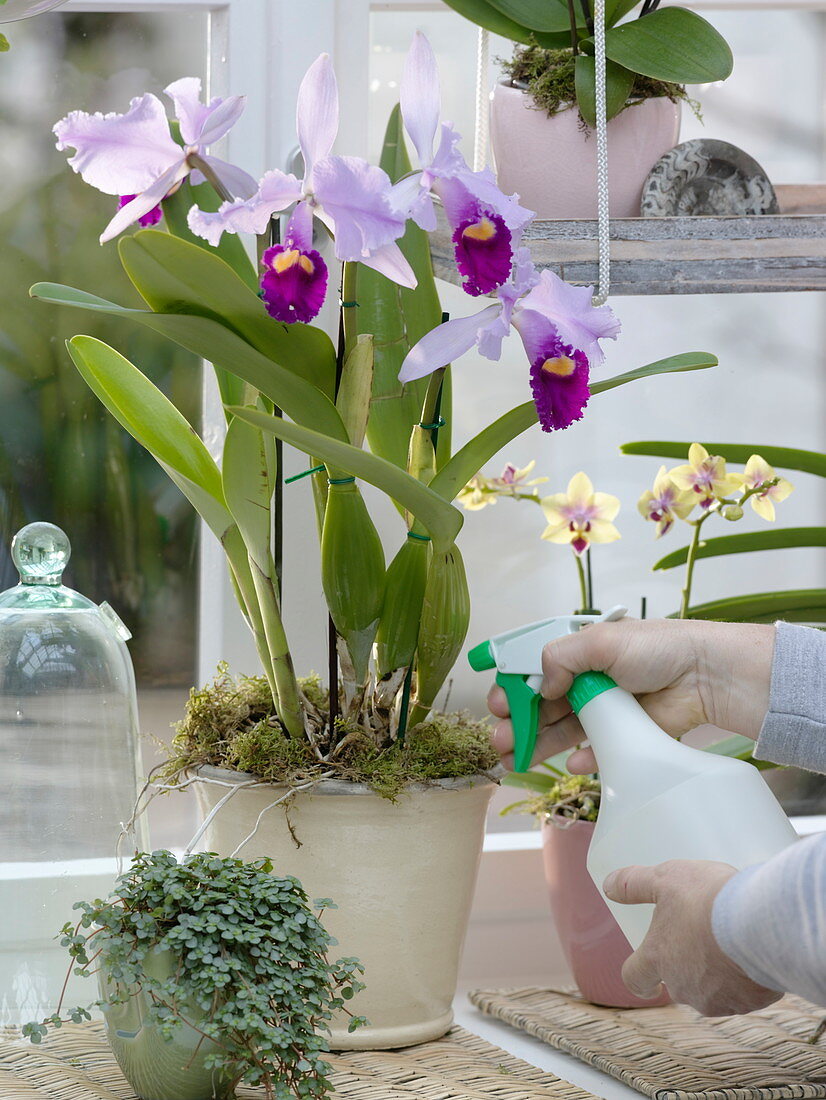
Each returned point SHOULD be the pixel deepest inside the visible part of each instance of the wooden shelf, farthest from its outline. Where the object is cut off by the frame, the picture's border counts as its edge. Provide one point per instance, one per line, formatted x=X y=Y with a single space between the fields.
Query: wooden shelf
x=691 y=255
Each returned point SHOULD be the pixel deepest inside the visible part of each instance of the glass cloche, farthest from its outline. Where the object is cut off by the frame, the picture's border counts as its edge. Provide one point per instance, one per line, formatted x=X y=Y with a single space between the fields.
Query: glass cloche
x=69 y=743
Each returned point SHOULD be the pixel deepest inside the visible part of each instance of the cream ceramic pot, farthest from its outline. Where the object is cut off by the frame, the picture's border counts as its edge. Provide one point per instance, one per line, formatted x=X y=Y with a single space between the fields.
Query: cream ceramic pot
x=552 y=162
x=402 y=875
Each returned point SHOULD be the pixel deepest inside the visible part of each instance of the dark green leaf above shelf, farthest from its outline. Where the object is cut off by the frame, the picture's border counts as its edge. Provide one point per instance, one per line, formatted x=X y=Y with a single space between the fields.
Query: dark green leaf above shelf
x=786 y=458
x=672 y=44
x=803 y=605
x=772 y=539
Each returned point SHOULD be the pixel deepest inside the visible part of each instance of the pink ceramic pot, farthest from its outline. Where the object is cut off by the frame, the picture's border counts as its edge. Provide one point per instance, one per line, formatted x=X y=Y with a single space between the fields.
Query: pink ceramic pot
x=552 y=162
x=591 y=939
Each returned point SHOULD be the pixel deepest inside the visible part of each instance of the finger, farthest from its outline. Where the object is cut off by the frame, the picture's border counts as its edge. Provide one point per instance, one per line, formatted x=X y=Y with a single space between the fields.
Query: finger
x=552 y=739
x=641 y=973
x=550 y=712
x=498 y=702
x=594 y=649
x=631 y=885
x=581 y=762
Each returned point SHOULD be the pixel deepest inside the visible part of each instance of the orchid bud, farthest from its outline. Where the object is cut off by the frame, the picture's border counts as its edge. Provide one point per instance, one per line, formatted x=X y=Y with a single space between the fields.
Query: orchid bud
x=732 y=512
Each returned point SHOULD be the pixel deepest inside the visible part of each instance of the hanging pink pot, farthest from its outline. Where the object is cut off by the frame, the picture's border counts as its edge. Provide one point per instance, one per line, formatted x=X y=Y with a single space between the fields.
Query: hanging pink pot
x=594 y=945
x=551 y=163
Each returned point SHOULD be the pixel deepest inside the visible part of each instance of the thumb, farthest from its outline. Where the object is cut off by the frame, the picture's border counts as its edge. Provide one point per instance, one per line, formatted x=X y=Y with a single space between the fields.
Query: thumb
x=631 y=886
x=640 y=974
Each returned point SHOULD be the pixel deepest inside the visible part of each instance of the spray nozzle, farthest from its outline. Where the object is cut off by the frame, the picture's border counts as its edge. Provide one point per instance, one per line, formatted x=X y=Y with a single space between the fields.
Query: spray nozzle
x=517 y=657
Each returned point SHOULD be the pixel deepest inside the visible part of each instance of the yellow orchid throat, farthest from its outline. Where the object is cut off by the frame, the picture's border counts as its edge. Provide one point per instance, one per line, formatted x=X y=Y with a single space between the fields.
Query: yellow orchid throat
x=562 y=367
x=483 y=230
x=286 y=260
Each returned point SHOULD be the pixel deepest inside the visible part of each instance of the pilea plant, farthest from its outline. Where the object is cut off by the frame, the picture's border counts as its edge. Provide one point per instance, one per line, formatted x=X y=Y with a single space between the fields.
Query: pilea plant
x=247 y=970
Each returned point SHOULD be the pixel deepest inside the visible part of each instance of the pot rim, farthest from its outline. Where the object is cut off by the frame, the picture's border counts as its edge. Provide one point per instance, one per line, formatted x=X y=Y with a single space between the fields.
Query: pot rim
x=550 y=822
x=347 y=786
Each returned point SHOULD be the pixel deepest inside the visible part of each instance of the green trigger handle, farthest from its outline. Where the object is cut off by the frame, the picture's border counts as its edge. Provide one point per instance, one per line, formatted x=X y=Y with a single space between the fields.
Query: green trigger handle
x=523 y=703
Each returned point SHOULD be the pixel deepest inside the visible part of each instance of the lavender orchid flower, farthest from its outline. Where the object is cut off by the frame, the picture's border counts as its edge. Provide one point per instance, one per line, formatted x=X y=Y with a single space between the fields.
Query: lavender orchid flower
x=560 y=329
x=486 y=224
x=348 y=195
x=134 y=156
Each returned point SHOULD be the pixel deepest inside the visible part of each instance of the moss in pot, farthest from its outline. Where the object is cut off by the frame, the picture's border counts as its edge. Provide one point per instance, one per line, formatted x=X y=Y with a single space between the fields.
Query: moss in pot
x=549 y=78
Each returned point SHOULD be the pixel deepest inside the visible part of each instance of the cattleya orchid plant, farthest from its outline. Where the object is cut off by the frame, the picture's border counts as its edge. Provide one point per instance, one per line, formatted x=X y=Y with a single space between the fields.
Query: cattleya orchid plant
x=397 y=628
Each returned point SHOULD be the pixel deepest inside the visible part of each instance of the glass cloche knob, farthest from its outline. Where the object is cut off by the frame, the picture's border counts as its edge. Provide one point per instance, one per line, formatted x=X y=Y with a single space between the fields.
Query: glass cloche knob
x=41 y=552
x=13 y=10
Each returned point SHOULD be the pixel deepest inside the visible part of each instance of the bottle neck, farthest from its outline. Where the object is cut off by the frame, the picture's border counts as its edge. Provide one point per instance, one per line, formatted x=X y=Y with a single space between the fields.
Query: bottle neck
x=621 y=734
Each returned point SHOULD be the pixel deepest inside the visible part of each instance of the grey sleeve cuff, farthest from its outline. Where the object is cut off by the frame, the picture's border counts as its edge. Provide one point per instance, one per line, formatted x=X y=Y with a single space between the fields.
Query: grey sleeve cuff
x=794 y=730
x=771 y=920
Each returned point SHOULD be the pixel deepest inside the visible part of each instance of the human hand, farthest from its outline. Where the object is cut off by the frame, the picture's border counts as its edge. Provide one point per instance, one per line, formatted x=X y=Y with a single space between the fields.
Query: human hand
x=680 y=949
x=684 y=673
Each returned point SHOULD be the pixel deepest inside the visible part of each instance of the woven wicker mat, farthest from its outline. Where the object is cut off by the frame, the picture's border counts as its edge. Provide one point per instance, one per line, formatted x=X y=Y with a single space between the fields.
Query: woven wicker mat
x=75 y=1063
x=674 y=1054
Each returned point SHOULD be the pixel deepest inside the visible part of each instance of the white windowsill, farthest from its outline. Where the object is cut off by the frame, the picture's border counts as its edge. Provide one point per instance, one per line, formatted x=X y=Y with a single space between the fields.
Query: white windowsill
x=531 y=839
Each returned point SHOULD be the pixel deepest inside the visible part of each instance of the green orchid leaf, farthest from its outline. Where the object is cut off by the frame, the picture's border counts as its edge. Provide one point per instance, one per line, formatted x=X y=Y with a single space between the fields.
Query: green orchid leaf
x=441 y=520
x=616 y=9
x=740 y=748
x=398 y=318
x=672 y=44
x=484 y=14
x=786 y=458
x=174 y=276
x=212 y=341
x=805 y=605
x=531 y=781
x=772 y=539
x=212 y=511
x=456 y=473
x=147 y=414
x=674 y=364
x=550 y=16
x=618 y=85
x=230 y=248
x=248 y=475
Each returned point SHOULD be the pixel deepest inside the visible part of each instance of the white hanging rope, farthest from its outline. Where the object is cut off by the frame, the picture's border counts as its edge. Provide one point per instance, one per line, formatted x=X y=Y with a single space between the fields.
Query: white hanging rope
x=480 y=139
x=603 y=217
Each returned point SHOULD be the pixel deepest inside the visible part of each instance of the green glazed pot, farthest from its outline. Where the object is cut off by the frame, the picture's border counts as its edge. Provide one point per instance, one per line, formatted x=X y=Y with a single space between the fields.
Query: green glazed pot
x=156 y=1068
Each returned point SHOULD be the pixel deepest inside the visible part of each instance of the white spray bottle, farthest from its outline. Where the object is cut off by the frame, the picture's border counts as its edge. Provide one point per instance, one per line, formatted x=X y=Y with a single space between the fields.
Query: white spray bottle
x=661 y=799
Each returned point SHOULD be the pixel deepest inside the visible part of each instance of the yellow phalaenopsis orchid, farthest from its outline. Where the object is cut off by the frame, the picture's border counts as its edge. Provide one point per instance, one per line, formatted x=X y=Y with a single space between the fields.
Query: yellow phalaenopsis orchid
x=481 y=491
x=665 y=502
x=758 y=472
x=705 y=476
x=580 y=516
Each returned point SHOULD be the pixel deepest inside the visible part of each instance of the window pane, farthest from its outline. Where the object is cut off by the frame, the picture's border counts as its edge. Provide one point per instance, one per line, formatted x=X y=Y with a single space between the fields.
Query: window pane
x=62 y=457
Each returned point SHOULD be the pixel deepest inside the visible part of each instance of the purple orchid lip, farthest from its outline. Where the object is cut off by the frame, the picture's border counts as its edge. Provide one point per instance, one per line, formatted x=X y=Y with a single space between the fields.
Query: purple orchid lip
x=483 y=252
x=559 y=383
x=150 y=218
x=294 y=283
